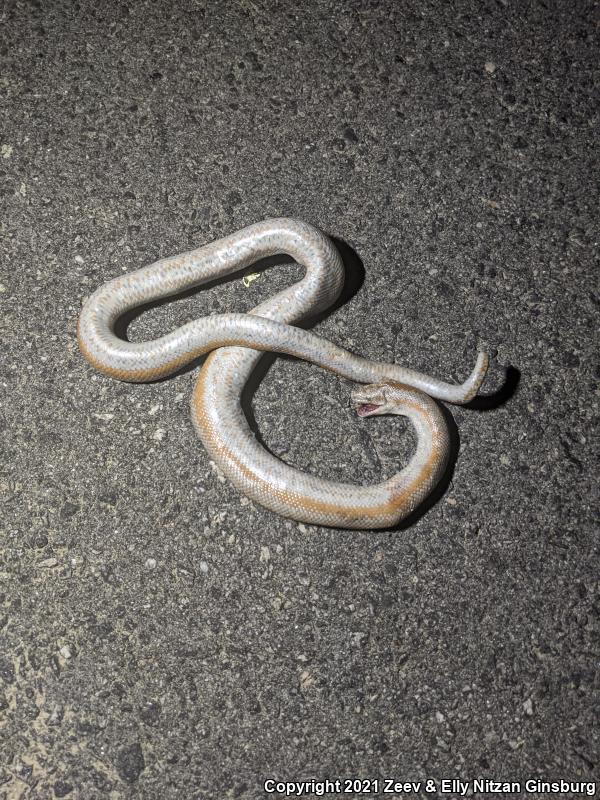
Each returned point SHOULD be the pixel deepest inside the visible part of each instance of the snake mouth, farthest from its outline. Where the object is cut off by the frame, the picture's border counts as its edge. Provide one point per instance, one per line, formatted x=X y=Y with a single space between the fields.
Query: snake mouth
x=366 y=409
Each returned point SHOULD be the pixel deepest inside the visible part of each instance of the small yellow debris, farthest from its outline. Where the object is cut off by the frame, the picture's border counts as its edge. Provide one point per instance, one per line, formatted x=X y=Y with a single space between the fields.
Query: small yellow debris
x=250 y=278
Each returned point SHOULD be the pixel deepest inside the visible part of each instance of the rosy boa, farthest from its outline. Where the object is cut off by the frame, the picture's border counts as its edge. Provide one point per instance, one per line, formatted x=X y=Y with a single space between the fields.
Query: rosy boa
x=235 y=341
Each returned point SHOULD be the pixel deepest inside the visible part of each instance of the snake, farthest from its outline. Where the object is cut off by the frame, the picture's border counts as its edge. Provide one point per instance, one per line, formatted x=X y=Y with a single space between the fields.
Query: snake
x=235 y=342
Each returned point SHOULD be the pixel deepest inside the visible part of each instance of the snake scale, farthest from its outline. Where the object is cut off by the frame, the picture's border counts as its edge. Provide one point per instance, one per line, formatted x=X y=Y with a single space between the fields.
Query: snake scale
x=234 y=343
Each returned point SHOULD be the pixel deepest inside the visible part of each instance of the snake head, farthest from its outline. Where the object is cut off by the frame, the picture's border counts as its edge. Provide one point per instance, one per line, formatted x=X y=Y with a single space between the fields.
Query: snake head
x=373 y=399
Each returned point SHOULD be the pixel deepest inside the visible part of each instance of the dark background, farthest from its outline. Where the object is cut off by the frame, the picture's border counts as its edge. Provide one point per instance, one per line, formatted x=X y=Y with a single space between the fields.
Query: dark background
x=162 y=637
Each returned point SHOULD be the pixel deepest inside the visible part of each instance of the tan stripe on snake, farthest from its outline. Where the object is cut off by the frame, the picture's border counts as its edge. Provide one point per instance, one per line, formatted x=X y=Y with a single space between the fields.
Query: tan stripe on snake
x=235 y=341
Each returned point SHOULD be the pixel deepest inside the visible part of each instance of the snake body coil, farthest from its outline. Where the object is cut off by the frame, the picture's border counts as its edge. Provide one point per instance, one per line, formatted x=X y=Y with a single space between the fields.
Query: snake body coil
x=234 y=341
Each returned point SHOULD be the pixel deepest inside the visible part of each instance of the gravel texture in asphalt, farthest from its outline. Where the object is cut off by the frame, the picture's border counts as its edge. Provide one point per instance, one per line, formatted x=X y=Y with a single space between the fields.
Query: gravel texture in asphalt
x=161 y=636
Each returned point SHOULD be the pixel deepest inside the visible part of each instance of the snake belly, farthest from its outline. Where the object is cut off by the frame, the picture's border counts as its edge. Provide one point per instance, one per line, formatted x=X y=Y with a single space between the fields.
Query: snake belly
x=235 y=342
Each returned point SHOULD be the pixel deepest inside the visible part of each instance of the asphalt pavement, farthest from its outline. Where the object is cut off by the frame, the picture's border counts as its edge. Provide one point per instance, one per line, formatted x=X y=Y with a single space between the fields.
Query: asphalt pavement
x=160 y=635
